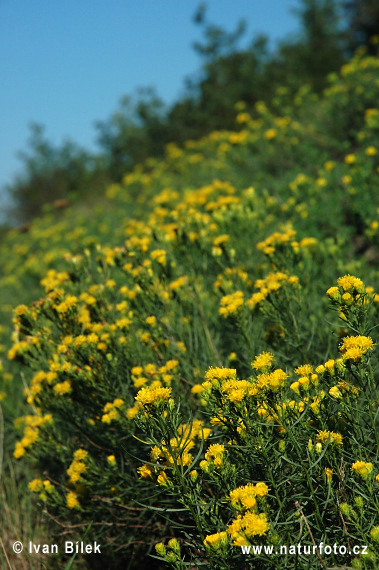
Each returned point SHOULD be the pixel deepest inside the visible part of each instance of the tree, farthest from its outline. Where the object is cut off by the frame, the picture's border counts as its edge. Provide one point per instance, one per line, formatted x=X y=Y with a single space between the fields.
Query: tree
x=317 y=50
x=52 y=173
x=363 y=23
x=134 y=132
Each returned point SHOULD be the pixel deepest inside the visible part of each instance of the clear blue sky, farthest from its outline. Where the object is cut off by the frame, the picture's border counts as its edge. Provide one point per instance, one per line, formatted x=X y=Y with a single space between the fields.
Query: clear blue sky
x=66 y=63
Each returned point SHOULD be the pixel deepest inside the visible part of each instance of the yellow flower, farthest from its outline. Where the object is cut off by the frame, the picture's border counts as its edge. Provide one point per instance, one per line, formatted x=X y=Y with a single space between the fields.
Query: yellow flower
x=242 y=496
x=262 y=361
x=220 y=373
x=270 y=134
x=329 y=365
x=36 y=485
x=295 y=387
x=62 y=388
x=173 y=543
x=72 y=500
x=19 y=450
x=324 y=436
x=162 y=478
x=354 y=347
x=230 y=304
x=160 y=549
x=75 y=470
x=153 y=396
x=335 y=392
x=350 y=283
x=144 y=471
x=237 y=396
x=152 y=321
x=255 y=525
x=363 y=469
x=214 y=450
x=159 y=255
x=70 y=301
x=48 y=486
x=350 y=158
x=334 y=293
x=219 y=240
x=80 y=454
x=215 y=541
x=328 y=474
x=304 y=382
x=304 y=370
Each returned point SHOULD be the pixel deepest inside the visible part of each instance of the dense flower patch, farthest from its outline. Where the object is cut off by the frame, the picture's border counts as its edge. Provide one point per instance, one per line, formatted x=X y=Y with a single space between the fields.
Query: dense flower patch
x=199 y=354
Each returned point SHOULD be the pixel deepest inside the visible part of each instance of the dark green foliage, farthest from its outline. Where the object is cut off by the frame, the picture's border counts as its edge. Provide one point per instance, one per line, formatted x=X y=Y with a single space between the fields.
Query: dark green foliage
x=363 y=23
x=53 y=174
x=136 y=131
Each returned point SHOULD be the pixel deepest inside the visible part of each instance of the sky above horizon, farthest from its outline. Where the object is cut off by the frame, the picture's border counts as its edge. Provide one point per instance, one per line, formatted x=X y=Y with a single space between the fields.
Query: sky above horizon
x=66 y=65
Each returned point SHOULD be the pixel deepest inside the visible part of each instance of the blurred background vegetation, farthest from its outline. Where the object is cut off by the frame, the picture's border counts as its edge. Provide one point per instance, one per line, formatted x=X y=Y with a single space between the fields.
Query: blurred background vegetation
x=330 y=32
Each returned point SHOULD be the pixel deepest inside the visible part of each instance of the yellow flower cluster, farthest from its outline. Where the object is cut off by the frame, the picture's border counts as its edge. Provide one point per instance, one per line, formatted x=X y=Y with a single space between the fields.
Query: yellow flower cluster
x=307 y=378
x=271 y=283
x=275 y=240
x=363 y=469
x=158 y=376
x=214 y=376
x=111 y=410
x=230 y=304
x=331 y=436
x=271 y=381
x=159 y=255
x=69 y=302
x=262 y=361
x=236 y=390
x=53 y=279
x=41 y=487
x=72 y=500
x=62 y=388
x=354 y=347
x=31 y=433
x=225 y=280
x=250 y=523
x=78 y=466
x=153 y=396
x=20 y=348
x=350 y=291
x=350 y=283
x=214 y=454
x=244 y=498
x=216 y=541
x=244 y=528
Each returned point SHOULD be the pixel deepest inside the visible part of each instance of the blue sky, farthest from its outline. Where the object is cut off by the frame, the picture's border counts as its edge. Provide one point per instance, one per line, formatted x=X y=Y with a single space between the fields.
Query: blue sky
x=66 y=63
